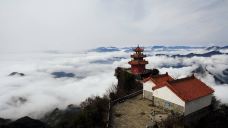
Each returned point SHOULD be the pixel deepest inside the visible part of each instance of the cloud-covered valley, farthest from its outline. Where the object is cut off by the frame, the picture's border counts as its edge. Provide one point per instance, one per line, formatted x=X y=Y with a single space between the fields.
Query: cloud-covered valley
x=56 y=79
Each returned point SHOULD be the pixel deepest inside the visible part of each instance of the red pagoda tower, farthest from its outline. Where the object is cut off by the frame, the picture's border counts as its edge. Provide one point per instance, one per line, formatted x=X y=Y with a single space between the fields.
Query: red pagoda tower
x=138 y=63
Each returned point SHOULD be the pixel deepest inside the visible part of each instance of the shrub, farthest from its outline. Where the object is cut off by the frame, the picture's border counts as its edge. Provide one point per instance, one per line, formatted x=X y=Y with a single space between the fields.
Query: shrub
x=94 y=112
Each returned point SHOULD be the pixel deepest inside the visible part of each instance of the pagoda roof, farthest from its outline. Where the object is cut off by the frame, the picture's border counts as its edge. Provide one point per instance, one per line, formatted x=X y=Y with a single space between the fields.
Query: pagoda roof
x=136 y=62
x=138 y=55
x=139 y=49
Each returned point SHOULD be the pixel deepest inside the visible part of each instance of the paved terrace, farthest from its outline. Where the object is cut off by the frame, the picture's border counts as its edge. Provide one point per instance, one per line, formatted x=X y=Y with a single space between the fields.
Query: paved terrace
x=136 y=113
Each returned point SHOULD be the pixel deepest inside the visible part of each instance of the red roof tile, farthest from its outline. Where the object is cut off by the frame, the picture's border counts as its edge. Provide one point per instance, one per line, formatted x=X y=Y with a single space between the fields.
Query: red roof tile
x=159 y=79
x=189 y=88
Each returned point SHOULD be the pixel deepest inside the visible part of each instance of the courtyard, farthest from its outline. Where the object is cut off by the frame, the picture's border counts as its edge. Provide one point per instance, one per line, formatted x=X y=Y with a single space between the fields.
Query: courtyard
x=137 y=112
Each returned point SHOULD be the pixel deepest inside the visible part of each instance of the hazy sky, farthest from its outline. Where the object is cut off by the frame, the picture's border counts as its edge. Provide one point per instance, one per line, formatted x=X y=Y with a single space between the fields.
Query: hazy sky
x=27 y=25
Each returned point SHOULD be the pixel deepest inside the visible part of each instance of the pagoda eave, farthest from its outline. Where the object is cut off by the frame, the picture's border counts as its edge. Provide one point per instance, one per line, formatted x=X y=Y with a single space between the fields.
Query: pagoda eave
x=137 y=63
x=138 y=49
x=138 y=56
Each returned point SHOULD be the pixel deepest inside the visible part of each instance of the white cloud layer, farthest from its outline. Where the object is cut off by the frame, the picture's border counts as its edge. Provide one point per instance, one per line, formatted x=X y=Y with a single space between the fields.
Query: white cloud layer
x=39 y=92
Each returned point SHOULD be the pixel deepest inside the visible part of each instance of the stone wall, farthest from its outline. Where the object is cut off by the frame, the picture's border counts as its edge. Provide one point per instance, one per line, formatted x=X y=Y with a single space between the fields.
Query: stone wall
x=168 y=105
x=127 y=82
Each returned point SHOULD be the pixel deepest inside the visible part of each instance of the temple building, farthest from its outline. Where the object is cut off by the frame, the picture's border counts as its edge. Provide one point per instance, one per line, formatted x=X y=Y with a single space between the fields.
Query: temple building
x=138 y=64
x=185 y=96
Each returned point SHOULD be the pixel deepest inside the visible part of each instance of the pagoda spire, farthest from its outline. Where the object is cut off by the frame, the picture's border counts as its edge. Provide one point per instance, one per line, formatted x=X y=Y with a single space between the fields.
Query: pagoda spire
x=138 y=64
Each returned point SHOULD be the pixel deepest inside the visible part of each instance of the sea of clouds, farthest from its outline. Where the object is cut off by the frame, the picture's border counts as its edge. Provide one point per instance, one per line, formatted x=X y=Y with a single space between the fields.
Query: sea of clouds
x=40 y=90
